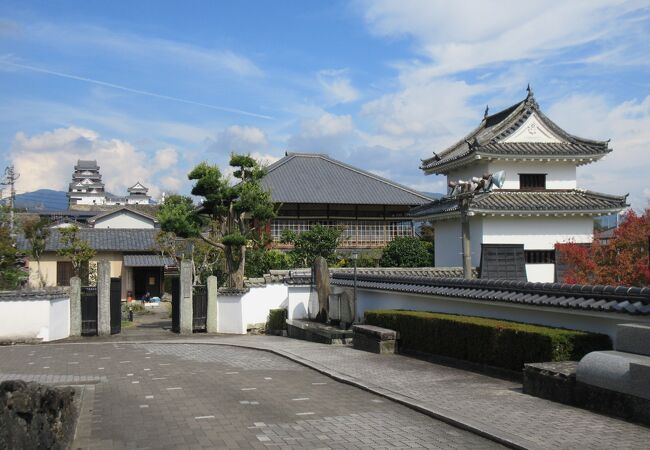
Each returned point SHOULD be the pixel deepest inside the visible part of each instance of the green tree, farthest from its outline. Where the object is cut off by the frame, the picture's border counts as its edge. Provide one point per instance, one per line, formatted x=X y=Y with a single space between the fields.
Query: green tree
x=260 y=261
x=77 y=250
x=319 y=240
x=36 y=231
x=177 y=215
x=12 y=275
x=233 y=210
x=406 y=251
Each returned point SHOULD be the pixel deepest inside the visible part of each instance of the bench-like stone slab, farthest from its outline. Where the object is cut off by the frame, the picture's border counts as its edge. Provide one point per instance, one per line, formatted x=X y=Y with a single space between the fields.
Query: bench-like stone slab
x=617 y=371
x=382 y=334
x=633 y=338
x=374 y=339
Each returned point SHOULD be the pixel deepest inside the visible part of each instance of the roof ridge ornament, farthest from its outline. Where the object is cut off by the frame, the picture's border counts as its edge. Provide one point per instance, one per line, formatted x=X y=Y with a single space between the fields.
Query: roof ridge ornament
x=530 y=97
x=487 y=110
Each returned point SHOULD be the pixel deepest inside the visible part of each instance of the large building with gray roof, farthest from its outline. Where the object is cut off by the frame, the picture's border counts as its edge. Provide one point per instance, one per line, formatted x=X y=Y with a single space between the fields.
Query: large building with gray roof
x=312 y=188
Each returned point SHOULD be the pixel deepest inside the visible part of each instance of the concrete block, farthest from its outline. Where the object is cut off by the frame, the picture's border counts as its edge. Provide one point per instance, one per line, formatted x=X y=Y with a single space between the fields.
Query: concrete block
x=212 y=321
x=75 y=306
x=616 y=371
x=633 y=338
x=104 y=297
x=370 y=344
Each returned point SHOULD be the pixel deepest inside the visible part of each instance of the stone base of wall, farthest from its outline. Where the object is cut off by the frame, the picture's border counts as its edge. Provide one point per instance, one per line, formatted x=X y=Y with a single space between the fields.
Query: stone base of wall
x=36 y=416
x=318 y=332
x=556 y=381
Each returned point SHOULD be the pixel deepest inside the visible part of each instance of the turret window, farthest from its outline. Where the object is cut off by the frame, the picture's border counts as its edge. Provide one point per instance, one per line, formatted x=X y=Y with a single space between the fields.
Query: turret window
x=532 y=181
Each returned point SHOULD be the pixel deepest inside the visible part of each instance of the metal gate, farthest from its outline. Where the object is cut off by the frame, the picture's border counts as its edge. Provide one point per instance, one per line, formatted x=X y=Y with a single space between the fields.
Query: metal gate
x=116 y=305
x=199 y=307
x=176 y=305
x=88 y=310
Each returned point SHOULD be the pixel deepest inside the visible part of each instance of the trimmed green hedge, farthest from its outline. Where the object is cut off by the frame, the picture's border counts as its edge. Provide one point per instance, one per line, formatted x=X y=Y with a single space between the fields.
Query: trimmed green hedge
x=497 y=343
x=277 y=319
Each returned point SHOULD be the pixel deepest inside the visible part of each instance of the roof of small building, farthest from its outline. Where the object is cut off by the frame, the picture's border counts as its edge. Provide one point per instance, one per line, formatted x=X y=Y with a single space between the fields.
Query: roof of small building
x=523 y=202
x=487 y=141
x=317 y=178
x=611 y=299
x=148 y=261
x=138 y=187
x=102 y=239
x=122 y=209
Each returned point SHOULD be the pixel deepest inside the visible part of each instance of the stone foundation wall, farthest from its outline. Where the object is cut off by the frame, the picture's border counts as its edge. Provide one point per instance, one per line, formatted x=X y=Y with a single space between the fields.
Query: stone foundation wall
x=36 y=416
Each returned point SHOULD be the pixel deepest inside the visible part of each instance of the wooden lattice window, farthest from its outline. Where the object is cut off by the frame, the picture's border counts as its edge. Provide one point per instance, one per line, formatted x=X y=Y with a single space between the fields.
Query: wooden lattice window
x=540 y=256
x=532 y=181
x=63 y=273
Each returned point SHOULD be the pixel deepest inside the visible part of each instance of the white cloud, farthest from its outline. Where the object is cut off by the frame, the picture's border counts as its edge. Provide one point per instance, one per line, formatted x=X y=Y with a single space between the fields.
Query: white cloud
x=337 y=87
x=46 y=160
x=239 y=139
x=165 y=159
x=326 y=133
x=456 y=36
x=626 y=169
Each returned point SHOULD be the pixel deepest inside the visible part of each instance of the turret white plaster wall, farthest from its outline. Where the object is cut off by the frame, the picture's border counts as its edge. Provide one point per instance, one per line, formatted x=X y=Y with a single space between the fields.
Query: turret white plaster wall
x=448 y=245
x=124 y=219
x=559 y=175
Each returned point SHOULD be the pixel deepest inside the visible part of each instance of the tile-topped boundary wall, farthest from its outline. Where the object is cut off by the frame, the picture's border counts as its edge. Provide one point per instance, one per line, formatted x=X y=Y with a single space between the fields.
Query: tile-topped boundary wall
x=34 y=315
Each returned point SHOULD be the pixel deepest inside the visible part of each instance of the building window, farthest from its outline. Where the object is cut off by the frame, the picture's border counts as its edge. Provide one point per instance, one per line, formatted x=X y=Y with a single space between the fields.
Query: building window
x=540 y=256
x=532 y=181
x=63 y=273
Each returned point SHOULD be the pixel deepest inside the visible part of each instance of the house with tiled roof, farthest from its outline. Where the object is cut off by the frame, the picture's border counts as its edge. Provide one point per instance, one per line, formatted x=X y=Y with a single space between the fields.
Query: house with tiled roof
x=132 y=254
x=312 y=188
x=539 y=204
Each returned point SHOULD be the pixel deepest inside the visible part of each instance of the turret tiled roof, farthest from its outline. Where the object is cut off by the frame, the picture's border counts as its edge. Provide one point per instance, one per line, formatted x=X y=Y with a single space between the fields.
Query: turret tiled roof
x=486 y=141
x=522 y=202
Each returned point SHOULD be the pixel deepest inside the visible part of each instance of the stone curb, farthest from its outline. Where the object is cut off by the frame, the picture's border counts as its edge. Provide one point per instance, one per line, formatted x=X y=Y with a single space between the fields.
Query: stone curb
x=480 y=429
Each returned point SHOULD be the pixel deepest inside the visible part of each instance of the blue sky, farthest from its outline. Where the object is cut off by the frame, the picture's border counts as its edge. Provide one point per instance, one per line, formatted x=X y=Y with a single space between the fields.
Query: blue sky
x=152 y=88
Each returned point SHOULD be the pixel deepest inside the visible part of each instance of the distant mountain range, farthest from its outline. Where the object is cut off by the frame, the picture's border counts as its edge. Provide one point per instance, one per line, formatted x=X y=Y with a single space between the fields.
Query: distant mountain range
x=42 y=199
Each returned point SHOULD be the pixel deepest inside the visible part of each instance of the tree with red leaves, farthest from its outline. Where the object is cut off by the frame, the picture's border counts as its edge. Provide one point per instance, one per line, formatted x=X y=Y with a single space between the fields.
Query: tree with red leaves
x=622 y=261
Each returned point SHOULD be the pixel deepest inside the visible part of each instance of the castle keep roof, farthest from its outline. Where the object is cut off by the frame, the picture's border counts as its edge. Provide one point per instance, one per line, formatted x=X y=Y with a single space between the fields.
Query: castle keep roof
x=520 y=132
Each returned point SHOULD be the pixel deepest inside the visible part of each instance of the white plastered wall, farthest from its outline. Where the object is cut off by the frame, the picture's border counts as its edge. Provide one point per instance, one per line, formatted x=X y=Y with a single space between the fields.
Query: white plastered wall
x=124 y=219
x=559 y=175
x=35 y=318
x=448 y=245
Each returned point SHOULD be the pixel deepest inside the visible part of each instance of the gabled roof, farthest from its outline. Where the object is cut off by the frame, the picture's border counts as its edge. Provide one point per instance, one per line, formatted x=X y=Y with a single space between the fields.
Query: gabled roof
x=522 y=202
x=103 y=239
x=103 y=215
x=148 y=261
x=317 y=178
x=138 y=187
x=495 y=138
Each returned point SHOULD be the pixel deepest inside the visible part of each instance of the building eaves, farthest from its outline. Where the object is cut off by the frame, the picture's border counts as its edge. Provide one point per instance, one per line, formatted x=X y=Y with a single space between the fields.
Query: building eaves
x=104 y=239
x=606 y=299
x=527 y=202
x=119 y=210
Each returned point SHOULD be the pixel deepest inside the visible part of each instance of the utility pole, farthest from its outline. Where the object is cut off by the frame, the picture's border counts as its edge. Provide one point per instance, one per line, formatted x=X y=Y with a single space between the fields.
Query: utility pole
x=465 y=200
x=10 y=180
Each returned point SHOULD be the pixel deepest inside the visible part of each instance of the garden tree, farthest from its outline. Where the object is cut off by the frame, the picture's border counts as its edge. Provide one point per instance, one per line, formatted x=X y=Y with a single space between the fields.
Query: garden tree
x=77 y=250
x=317 y=241
x=233 y=210
x=177 y=215
x=406 y=251
x=623 y=261
x=260 y=261
x=12 y=275
x=206 y=259
x=36 y=230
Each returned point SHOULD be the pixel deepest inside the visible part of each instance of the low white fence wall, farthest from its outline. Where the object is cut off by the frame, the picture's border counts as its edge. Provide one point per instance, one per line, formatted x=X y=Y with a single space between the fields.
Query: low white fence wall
x=236 y=313
x=34 y=315
x=597 y=322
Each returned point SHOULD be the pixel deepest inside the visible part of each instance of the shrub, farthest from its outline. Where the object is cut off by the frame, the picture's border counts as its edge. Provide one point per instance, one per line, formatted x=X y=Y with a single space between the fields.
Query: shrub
x=277 y=319
x=497 y=343
x=406 y=251
x=261 y=261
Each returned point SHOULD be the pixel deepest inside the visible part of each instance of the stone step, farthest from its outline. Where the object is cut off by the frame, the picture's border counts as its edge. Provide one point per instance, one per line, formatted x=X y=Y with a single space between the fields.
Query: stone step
x=633 y=338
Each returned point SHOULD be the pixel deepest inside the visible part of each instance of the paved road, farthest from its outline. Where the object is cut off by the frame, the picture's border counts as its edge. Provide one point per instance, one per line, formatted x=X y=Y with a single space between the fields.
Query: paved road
x=171 y=395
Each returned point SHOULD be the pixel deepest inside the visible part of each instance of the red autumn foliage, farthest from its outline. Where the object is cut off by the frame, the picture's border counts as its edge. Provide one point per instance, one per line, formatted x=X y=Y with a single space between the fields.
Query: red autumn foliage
x=623 y=261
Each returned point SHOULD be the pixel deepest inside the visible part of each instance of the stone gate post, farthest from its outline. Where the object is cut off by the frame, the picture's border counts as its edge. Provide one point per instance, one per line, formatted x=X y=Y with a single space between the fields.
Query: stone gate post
x=104 y=297
x=212 y=322
x=186 y=313
x=75 y=306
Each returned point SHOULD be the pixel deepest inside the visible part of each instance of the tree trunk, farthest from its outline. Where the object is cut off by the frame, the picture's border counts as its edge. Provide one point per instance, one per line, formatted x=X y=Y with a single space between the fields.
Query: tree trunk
x=322 y=280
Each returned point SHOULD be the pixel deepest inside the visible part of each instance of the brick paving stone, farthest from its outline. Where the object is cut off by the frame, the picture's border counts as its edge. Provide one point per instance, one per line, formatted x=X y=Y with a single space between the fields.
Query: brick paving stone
x=112 y=417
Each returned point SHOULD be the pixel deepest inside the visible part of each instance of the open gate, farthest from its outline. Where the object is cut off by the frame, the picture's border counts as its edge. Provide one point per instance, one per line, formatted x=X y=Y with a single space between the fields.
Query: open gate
x=176 y=305
x=88 y=310
x=116 y=305
x=199 y=308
